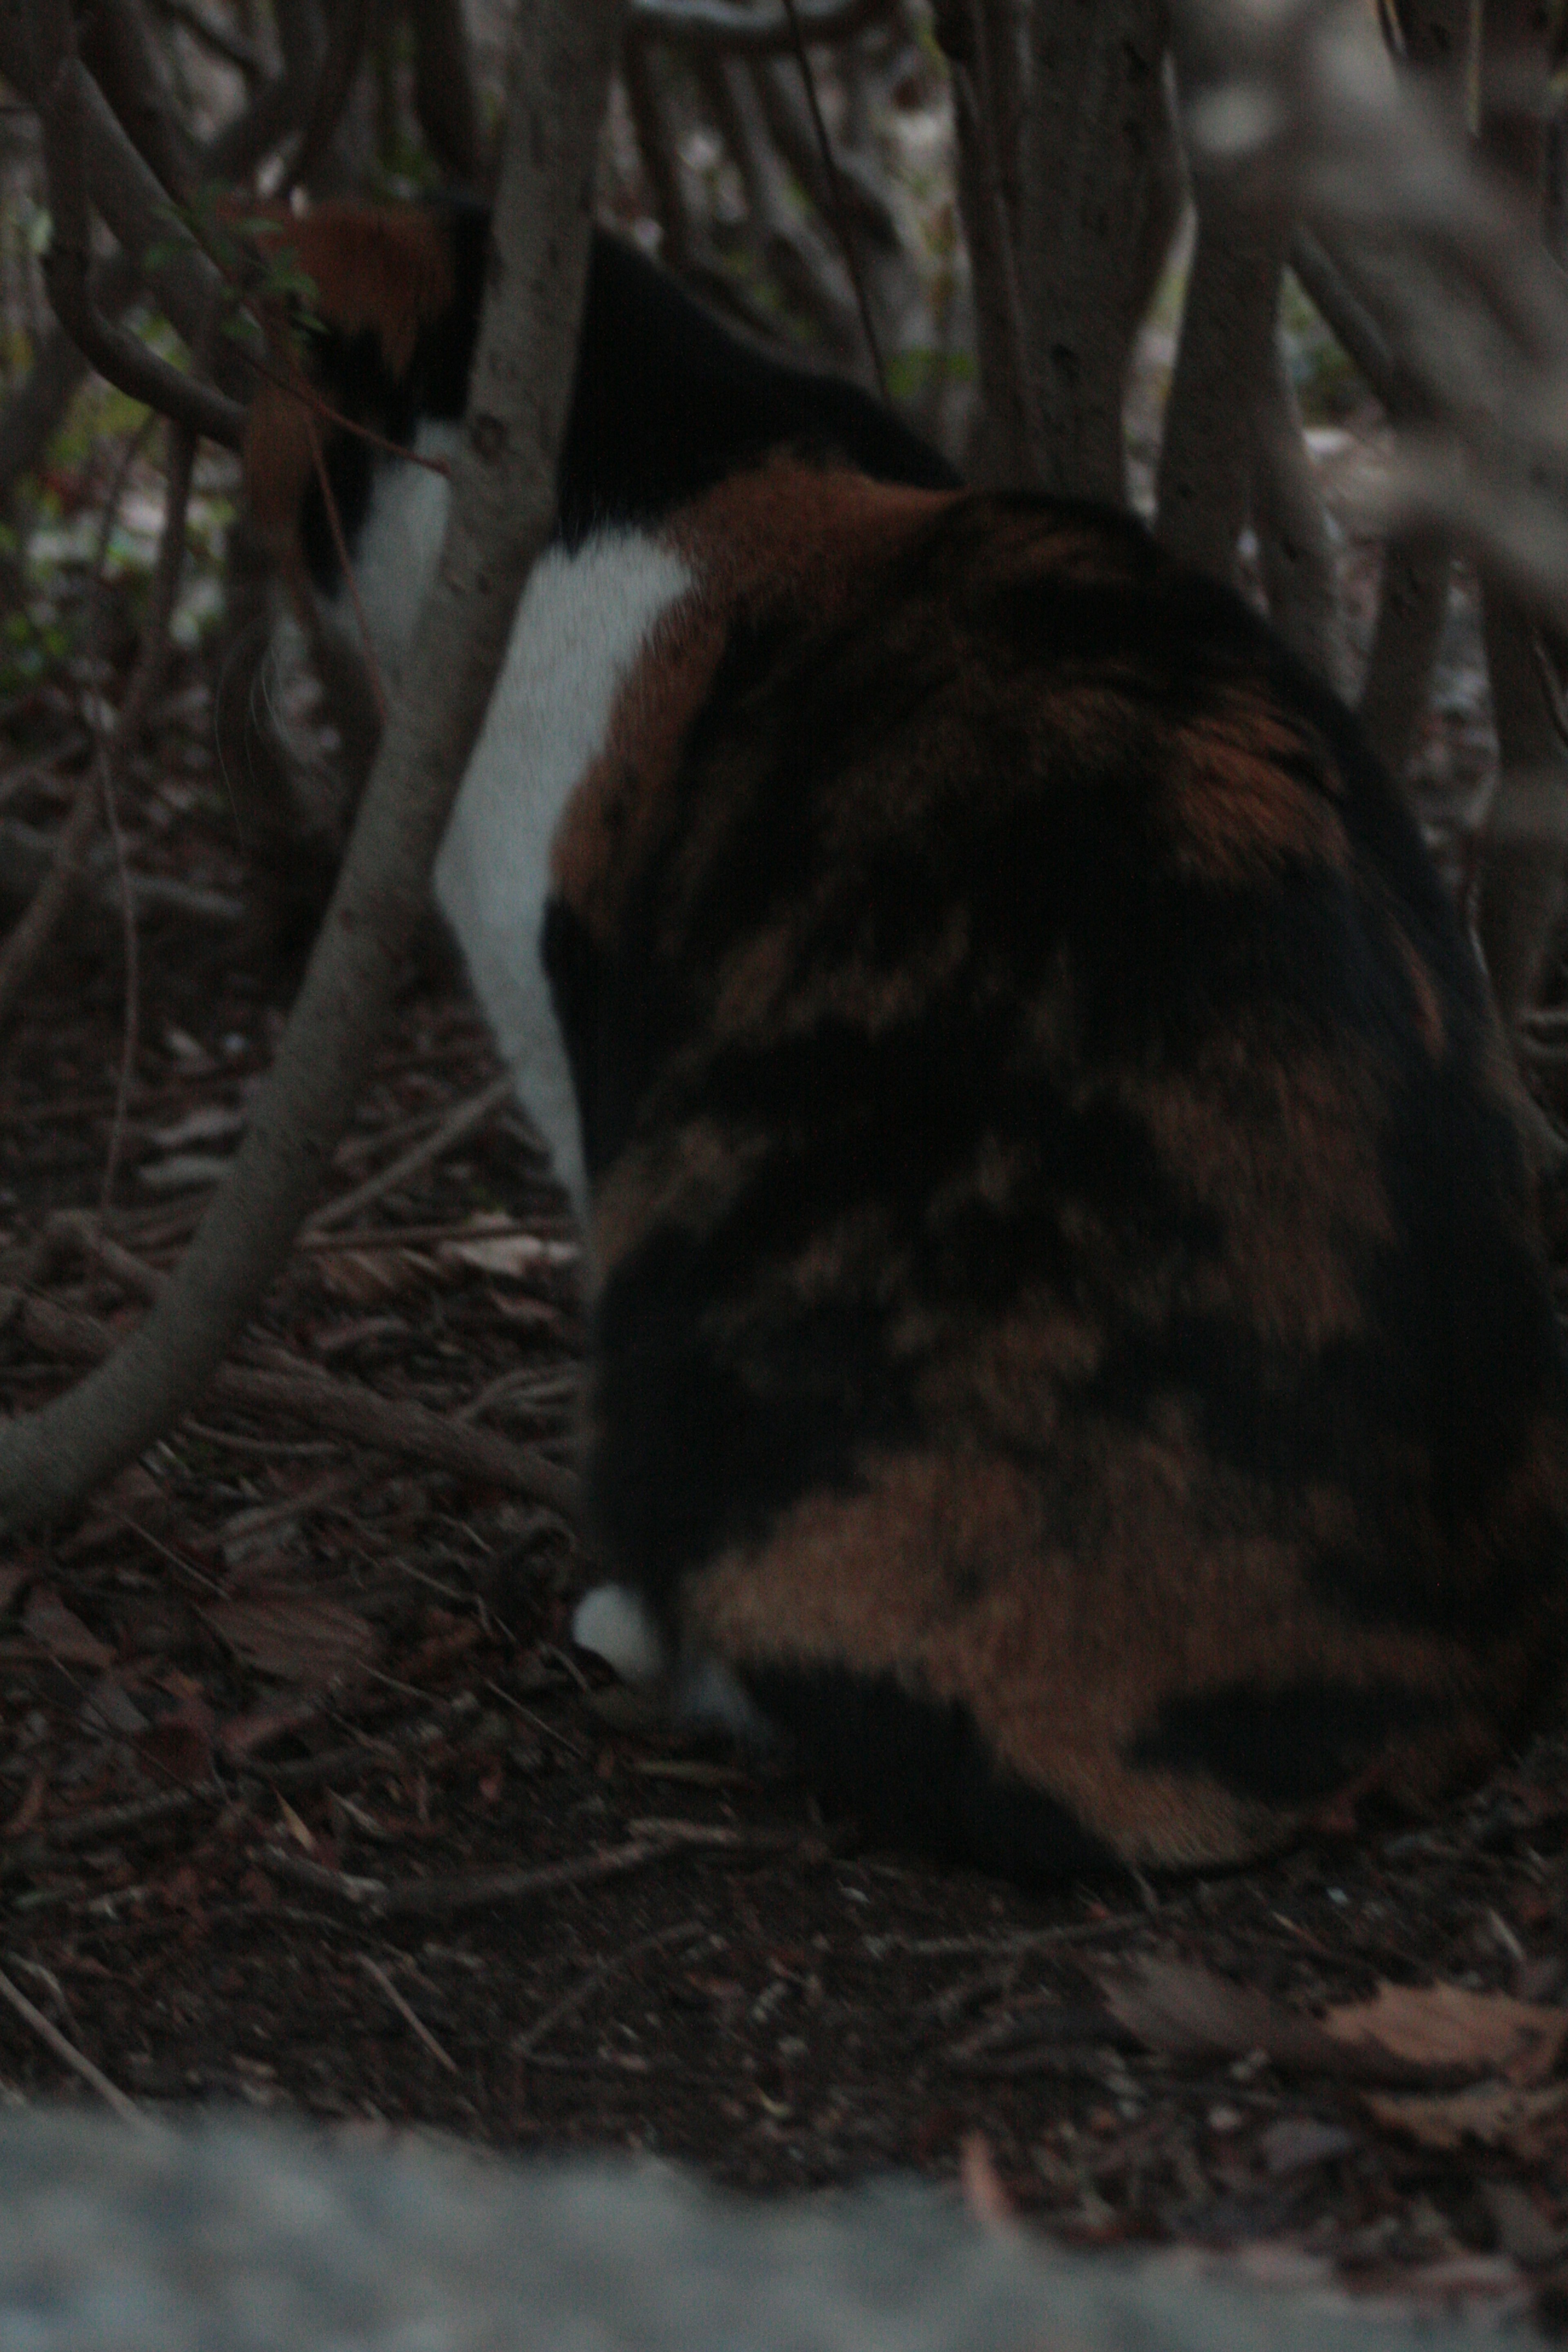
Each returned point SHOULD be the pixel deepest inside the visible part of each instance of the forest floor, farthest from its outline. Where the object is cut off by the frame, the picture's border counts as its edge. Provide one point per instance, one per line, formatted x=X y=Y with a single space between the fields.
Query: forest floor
x=307 y=1802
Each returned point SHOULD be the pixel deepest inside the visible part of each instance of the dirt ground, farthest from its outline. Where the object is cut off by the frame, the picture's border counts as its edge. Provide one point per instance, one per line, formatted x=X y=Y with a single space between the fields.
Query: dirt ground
x=306 y=1802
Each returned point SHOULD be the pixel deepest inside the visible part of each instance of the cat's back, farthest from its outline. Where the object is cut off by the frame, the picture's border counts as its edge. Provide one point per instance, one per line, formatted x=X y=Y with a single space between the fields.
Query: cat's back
x=1071 y=1338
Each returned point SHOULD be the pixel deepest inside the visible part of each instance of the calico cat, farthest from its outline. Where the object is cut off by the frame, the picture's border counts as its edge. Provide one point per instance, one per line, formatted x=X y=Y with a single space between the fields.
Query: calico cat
x=1069 y=1346
x=667 y=402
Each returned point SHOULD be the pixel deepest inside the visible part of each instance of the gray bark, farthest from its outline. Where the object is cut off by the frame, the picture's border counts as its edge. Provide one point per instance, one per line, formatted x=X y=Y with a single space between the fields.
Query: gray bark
x=1092 y=164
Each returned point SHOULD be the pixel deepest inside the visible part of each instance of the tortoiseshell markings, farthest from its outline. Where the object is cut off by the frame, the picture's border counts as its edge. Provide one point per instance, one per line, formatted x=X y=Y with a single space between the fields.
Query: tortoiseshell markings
x=1066 y=1313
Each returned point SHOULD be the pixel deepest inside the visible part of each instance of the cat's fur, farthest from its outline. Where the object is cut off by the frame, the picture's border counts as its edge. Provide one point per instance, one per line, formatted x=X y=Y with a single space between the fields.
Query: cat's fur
x=1070 y=1341
x=667 y=402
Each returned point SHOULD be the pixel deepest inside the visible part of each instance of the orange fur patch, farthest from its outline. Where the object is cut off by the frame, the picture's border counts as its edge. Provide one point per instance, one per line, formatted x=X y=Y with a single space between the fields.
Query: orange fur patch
x=786 y=534
x=943 y=1574
x=1241 y=812
x=382 y=271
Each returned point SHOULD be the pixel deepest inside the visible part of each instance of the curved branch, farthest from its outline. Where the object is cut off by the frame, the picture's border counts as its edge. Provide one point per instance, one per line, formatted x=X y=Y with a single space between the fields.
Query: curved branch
x=751 y=32
x=503 y=497
x=334 y=83
x=121 y=357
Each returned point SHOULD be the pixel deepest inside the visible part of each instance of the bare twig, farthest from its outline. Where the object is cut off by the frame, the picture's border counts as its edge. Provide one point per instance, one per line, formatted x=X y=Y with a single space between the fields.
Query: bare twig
x=414 y=2023
x=334 y=82
x=1413 y=602
x=131 y=1023
x=1295 y=549
x=31 y=934
x=839 y=207
x=126 y=361
x=444 y=99
x=1012 y=451
x=119 y=52
x=454 y=1129
x=1226 y=352
x=582 y=1991
x=134 y=707
x=435 y=1898
x=644 y=100
x=395 y=1426
x=77 y=2060
x=751 y=32
x=1096 y=113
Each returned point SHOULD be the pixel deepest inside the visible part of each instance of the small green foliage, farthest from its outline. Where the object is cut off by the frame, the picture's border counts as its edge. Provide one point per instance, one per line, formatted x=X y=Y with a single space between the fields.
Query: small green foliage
x=913 y=372
x=258 y=268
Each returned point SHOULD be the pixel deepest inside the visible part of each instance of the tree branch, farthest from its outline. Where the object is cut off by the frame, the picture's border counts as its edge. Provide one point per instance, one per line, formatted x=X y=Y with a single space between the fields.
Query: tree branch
x=503 y=495
x=1520 y=894
x=1412 y=605
x=1295 y=551
x=750 y=32
x=129 y=197
x=445 y=100
x=1222 y=364
x=346 y=37
x=122 y=357
x=1096 y=105
x=1008 y=449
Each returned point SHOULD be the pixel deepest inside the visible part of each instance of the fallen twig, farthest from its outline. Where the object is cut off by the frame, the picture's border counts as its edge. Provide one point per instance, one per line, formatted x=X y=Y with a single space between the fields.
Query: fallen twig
x=454 y=1129
x=525 y=2043
x=392 y=1425
x=75 y=2059
x=410 y=2017
x=418 y=1898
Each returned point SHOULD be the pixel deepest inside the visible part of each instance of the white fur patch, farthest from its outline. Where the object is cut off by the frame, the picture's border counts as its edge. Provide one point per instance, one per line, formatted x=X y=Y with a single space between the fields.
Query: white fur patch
x=398 y=545
x=583 y=620
x=613 y=1622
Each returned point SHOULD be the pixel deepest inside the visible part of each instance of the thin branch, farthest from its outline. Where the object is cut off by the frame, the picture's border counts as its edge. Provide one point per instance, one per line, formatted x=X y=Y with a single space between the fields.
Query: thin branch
x=31 y=933
x=335 y=84
x=1412 y=606
x=119 y=52
x=751 y=32
x=130 y=1029
x=503 y=497
x=644 y=102
x=446 y=102
x=122 y=357
x=234 y=51
x=467 y=1120
x=70 y=2055
x=837 y=206
x=1011 y=451
x=1296 y=553
x=424 y=1898
x=1221 y=362
x=1086 y=172
x=389 y=1424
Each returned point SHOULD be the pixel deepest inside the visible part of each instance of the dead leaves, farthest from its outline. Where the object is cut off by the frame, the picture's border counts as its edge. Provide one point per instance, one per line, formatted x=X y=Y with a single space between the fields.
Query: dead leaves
x=1448 y=2025
x=1493 y=2115
x=1189 y=2012
x=1406 y=2035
